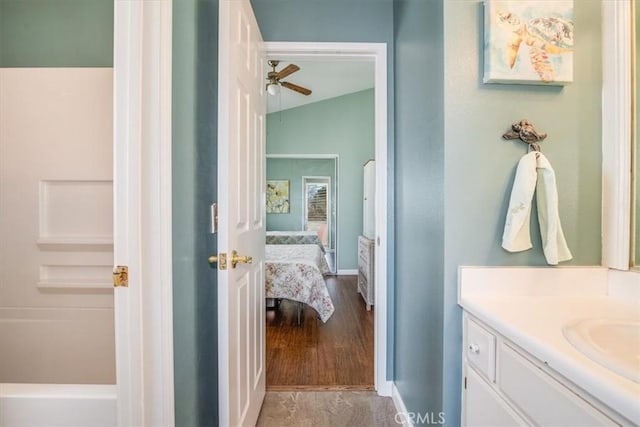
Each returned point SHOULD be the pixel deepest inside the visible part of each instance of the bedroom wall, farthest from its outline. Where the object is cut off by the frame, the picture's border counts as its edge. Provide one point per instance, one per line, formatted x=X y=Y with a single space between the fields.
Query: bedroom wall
x=293 y=170
x=342 y=126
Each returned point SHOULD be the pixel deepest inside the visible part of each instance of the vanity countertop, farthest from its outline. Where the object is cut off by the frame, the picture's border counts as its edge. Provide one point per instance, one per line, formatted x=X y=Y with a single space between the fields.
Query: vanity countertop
x=532 y=317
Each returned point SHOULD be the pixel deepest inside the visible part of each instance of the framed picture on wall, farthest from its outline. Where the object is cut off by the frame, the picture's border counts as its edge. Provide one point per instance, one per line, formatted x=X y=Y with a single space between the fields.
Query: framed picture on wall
x=528 y=42
x=277 y=196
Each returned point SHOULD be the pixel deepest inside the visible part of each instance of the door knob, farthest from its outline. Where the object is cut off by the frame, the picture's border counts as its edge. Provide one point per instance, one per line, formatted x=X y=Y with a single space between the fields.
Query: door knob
x=239 y=259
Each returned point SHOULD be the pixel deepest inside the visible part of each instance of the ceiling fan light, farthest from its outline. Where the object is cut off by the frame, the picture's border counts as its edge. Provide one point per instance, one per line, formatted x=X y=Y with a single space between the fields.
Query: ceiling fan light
x=273 y=89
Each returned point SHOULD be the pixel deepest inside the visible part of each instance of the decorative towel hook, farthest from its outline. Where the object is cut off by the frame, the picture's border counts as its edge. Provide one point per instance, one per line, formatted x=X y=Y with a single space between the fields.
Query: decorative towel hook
x=524 y=131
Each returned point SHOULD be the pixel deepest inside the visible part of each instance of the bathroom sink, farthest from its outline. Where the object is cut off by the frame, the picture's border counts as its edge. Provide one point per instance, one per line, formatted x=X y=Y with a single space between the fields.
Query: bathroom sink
x=614 y=344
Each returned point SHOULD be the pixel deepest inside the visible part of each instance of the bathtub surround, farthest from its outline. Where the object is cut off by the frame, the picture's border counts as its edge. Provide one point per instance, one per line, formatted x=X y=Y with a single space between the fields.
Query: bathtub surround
x=55 y=59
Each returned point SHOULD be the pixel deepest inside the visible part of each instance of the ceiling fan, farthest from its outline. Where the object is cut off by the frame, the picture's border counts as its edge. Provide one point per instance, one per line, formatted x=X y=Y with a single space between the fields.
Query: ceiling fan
x=274 y=83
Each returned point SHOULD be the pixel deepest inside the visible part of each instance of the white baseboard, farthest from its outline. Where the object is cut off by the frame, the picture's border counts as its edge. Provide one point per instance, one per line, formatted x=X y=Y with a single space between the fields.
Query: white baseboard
x=385 y=389
x=401 y=409
x=353 y=272
x=58 y=405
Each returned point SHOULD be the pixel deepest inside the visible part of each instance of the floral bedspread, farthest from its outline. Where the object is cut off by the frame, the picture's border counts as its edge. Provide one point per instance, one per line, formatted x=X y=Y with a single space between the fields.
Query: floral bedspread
x=293 y=238
x=295 y=272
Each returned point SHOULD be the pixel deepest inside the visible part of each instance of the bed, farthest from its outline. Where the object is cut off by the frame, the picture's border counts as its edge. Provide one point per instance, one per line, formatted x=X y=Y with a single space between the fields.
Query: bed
x=294 y=238
x=296 y=272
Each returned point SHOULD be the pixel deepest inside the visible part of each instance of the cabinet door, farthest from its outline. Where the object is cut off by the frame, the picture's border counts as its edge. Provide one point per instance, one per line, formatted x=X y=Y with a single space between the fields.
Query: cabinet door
x=541 y=397
x=482 y=407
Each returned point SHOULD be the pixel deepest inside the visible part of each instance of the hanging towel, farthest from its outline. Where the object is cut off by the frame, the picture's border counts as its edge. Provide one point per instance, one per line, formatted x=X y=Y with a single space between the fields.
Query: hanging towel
x=553 y=243
x=534 y=173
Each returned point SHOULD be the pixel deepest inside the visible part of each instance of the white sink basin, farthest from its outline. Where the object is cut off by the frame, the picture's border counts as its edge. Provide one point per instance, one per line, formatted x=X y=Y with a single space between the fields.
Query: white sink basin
x=615 y=344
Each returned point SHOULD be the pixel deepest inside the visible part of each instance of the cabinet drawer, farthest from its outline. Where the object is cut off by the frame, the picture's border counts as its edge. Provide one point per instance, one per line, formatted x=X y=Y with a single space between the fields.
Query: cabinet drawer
x=480 y=349
x=540 y=396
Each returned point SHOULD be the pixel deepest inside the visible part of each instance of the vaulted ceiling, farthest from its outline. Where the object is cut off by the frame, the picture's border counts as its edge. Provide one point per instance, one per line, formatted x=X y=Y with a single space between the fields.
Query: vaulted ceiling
x=326 y=79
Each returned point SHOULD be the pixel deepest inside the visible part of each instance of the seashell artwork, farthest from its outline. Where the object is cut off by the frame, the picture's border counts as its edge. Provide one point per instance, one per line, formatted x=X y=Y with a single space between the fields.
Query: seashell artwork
x=528 y=42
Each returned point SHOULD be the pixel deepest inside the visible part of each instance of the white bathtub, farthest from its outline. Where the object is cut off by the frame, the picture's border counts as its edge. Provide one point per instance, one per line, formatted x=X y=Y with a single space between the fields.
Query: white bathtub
x=54 y=405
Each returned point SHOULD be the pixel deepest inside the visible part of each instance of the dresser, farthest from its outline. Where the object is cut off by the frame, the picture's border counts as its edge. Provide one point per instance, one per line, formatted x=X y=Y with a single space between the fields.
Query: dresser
x=366 y=268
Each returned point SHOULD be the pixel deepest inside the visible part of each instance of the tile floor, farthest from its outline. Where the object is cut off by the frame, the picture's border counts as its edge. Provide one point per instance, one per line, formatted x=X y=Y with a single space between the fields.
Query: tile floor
x=327 y=408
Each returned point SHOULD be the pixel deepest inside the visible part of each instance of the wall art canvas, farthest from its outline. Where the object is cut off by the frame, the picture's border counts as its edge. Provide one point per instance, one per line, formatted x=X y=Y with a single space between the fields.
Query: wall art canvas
x=528 y=42
x=278 y=196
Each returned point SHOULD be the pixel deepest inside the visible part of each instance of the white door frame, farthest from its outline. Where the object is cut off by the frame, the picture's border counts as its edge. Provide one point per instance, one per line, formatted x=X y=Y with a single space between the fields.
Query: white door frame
x=617 y=121
x=142 y=211
x=376 y=53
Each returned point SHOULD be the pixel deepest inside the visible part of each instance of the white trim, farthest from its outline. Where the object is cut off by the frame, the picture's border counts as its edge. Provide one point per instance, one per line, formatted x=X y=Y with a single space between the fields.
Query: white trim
x=347 y=272
x=376 y=52
x=90 y=405
x=401 y=409
x=142 y=212
x=616 y=133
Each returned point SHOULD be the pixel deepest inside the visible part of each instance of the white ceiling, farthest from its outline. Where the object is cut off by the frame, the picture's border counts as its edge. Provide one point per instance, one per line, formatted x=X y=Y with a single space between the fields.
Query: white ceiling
x=326 y=79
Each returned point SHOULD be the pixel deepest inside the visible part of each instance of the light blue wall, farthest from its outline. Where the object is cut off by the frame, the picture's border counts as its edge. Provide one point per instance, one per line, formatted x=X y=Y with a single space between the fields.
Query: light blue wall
x=342 y=126
x=56 y=33
x=480 y=165
x=194 y=132
x=293 y=170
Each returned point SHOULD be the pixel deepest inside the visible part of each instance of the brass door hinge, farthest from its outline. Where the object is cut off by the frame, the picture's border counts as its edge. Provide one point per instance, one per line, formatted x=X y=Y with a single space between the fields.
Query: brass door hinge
x=121 y=276
x=220 y=259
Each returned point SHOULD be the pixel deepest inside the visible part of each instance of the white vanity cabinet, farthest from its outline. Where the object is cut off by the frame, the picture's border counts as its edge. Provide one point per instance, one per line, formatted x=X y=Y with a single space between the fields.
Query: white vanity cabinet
x=505 y=386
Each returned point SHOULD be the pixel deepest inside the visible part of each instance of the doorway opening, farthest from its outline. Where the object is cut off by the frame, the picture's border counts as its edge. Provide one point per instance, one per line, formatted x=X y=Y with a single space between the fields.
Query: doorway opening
x=374 y=54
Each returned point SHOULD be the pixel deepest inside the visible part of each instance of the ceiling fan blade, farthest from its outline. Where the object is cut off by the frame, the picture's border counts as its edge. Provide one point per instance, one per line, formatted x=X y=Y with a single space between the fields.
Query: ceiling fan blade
x=299 y=89
x=289 y=69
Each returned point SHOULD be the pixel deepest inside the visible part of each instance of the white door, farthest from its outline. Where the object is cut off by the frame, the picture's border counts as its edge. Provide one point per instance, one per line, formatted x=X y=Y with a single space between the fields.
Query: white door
x=241 y=215
x=56 y=247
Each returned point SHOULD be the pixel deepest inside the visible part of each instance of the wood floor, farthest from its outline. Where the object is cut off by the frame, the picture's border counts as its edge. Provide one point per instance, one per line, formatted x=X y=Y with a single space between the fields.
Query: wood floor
x=337 y=355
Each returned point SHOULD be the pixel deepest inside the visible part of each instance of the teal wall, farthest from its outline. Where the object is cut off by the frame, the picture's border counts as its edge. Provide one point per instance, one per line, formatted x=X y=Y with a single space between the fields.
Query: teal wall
x=419 y=226
x=460 y=173
x=56 y=33
x=194 y=168
x=480 y=165
x=342 y=126
x=293 y=170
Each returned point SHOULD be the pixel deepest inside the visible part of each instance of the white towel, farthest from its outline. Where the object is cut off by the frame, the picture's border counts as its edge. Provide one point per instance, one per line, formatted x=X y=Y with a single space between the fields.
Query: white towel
x=534 y=172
